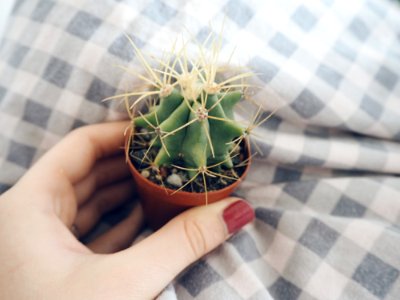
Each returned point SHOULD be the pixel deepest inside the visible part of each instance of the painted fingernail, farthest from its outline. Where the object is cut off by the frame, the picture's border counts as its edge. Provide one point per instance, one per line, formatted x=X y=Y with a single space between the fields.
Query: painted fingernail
x=237 y=214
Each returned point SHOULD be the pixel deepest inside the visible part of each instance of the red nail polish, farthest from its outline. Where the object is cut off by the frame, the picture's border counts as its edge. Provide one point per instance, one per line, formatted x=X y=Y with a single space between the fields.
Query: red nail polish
x=237 y=215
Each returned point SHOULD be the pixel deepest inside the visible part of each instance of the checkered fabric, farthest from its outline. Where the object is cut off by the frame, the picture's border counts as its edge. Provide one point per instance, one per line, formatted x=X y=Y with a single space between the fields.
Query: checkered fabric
x=325 y=183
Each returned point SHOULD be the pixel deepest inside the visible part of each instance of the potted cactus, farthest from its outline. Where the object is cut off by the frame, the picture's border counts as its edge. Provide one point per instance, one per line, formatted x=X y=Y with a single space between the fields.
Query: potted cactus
x=185 y=148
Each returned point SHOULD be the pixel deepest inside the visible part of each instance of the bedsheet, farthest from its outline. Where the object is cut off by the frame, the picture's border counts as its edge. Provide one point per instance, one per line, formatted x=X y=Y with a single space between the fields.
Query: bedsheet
x=325 y=183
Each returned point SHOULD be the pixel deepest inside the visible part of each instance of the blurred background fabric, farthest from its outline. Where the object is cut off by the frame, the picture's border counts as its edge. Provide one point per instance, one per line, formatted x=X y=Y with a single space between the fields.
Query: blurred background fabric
x=5 y=10
x=325 y=182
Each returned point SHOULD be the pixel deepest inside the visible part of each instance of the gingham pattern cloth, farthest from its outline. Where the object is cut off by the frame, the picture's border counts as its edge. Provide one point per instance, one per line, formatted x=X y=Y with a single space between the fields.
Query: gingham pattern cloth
x=325 y=185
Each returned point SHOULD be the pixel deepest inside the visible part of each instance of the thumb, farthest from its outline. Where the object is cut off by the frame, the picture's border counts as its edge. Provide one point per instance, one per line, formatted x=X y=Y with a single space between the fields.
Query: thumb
x=185 y=239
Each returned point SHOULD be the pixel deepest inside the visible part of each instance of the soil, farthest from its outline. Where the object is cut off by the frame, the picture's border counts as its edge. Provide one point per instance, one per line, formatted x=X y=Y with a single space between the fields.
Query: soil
x=159 y=176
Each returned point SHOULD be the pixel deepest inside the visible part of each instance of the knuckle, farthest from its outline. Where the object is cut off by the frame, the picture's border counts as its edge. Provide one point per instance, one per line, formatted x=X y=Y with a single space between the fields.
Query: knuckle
x=80 y=135
x=196 y=237
x=77 y=133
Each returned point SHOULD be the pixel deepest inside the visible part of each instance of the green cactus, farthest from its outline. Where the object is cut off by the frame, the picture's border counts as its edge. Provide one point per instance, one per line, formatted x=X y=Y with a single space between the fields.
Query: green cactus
x=190 y=118
x=197 y=131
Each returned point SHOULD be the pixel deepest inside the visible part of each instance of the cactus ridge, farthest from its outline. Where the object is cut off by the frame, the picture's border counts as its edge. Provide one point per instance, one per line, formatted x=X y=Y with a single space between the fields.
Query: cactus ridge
x=198 y=131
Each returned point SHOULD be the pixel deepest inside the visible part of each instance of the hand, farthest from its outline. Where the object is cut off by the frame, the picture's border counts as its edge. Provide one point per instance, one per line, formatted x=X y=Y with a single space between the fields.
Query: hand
x=70 y=187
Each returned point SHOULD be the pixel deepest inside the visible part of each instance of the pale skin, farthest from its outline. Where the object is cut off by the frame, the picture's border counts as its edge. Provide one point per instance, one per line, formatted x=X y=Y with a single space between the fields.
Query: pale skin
x=74 y=184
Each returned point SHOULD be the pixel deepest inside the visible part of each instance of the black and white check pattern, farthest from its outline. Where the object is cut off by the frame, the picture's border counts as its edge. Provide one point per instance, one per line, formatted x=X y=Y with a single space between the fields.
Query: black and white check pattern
x=325 y=183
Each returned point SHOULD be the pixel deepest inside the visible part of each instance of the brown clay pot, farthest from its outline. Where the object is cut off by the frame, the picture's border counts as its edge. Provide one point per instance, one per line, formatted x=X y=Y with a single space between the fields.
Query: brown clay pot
x=161 y=204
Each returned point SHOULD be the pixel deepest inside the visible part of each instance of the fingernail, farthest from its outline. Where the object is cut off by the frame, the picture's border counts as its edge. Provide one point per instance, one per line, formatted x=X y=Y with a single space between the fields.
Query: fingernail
x=237 y=214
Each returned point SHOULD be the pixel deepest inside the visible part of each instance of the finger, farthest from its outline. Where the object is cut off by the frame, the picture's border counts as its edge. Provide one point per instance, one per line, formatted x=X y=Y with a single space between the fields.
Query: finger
x=104 y=173
x=120 y=236
x=74 y=156
x=183 y=240
x=53 y=177
x=103 y=201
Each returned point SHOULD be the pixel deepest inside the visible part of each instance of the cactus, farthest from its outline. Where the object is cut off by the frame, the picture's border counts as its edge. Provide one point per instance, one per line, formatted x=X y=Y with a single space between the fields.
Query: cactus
x=196 y=130
x=190 y=118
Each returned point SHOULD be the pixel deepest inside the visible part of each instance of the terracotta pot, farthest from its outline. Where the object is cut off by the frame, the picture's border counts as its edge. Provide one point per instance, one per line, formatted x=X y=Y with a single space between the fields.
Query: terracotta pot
x=161 y=204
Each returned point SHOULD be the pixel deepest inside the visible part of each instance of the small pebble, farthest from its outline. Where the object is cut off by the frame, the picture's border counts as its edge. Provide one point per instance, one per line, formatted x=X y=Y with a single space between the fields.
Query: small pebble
x=175 y=180
x=145 y=173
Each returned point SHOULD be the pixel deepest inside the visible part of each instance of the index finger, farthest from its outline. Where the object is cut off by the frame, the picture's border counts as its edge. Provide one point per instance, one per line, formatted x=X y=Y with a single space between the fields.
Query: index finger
x=75 y=155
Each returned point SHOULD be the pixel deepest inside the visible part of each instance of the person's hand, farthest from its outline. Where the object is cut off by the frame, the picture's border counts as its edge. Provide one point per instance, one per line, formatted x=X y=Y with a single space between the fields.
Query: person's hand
x=68 y=190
